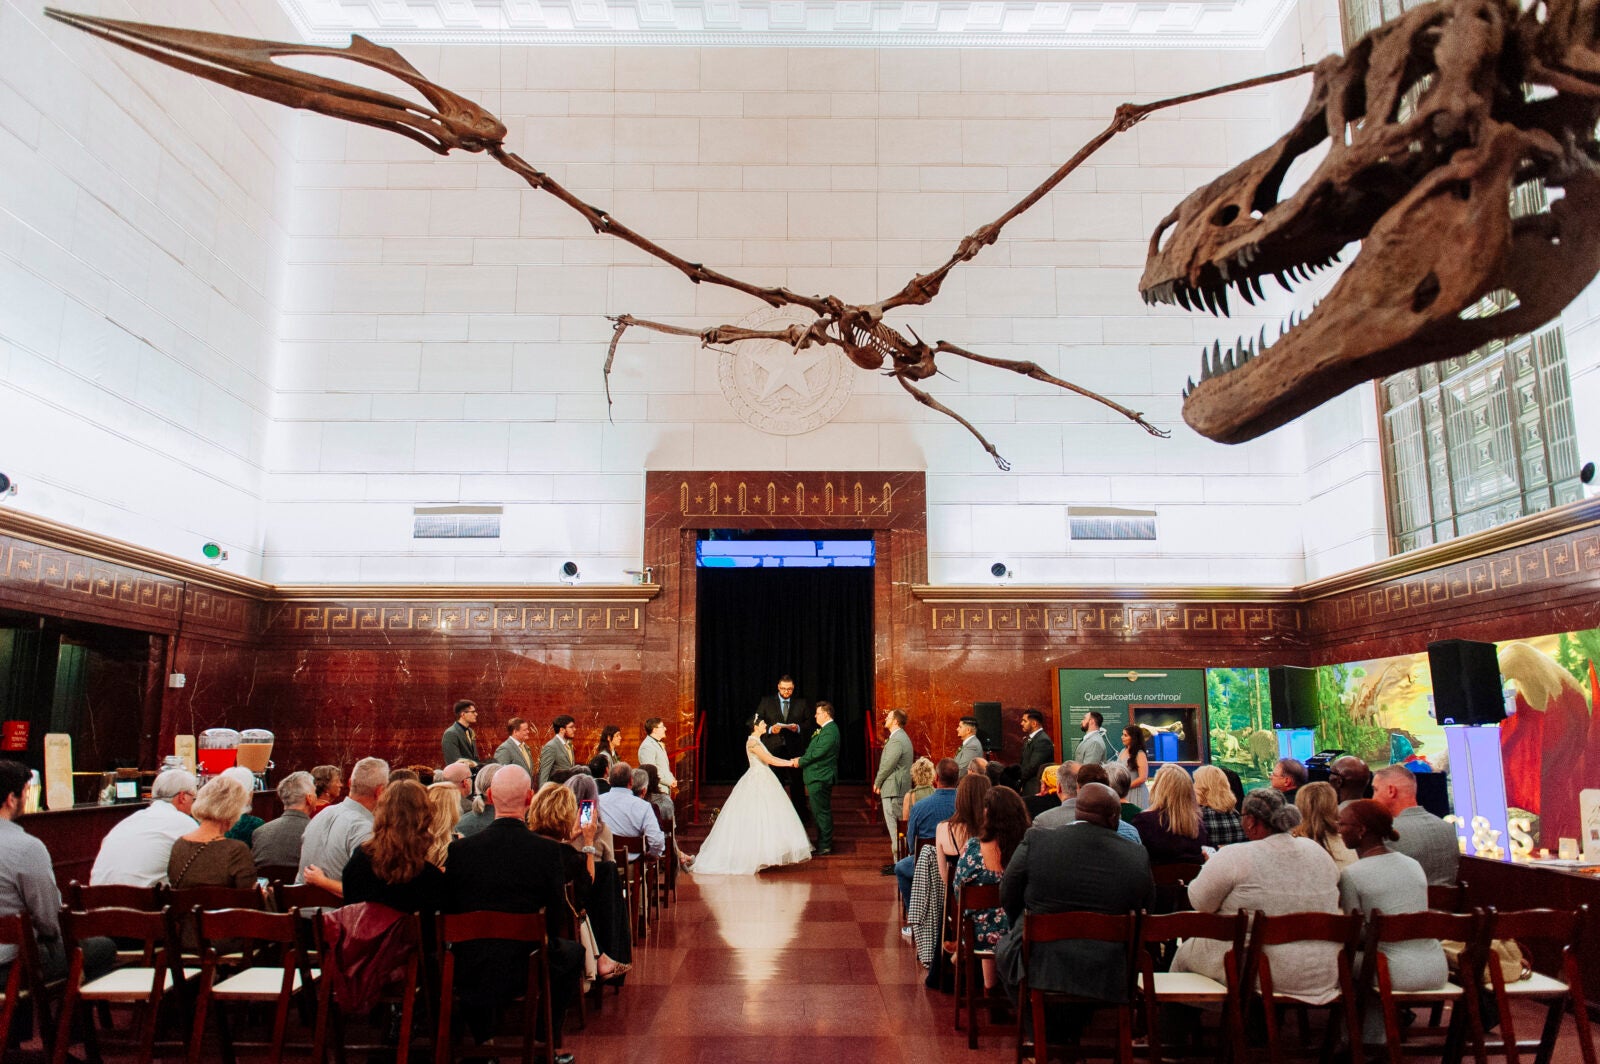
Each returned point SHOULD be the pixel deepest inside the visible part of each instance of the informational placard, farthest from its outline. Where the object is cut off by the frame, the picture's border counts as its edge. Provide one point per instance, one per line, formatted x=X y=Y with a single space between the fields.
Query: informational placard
x=183 y=746
x=14 y=736
x=58 y=771
x=1166 y=702
x=1589 y=825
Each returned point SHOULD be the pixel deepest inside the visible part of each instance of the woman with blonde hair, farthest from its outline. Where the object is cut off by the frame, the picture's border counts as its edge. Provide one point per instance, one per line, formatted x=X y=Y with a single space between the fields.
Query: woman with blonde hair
x=1219 y=809
x=207 y=857
x=1319 y=821
x=922 y=774
x=554 y=814
x=1171 y=829
x=445 y=799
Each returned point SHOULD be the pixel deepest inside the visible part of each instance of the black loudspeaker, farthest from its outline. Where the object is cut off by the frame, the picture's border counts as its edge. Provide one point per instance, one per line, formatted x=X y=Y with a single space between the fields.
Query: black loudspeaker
x=1294 y=697
x=1433 y=793
x=988 y=714
x=1466 y=682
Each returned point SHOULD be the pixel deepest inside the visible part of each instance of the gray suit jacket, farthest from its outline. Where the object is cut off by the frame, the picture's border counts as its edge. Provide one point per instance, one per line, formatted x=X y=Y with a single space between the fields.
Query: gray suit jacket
x=1081 y=868
x=512 y=752
x=554 y=755
x=459 y=744
x=1427 y=840
x=970 y=750
x=894 y=770
x=1093 y=749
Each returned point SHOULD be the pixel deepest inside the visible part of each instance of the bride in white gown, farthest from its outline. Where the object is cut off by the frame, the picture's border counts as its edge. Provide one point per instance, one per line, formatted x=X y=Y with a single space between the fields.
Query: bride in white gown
x=758 y=827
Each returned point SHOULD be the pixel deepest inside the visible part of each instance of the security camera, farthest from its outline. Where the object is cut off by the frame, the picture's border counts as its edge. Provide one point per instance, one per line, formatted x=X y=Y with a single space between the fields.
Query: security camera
x=1585 y=475
x=8 y=487
x=999 y=571
x=569 y=570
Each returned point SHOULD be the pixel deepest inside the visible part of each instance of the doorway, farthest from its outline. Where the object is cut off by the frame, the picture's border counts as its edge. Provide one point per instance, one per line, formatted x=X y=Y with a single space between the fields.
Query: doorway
x=756 y=623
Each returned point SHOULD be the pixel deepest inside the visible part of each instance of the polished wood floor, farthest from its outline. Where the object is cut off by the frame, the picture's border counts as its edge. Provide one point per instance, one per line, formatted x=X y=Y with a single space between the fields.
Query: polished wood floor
x=804 y=963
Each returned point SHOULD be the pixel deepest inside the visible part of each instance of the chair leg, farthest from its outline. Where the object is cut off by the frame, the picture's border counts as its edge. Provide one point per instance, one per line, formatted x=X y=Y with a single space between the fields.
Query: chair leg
x=1125 y=1034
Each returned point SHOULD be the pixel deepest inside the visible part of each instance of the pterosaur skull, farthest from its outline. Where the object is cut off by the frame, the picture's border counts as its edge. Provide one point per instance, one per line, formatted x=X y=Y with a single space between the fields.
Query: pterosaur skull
x=1428 y=127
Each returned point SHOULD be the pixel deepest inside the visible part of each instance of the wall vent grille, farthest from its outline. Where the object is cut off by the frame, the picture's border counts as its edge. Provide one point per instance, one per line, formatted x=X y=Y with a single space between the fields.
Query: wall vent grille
x=1105 y=522
x=455 y=522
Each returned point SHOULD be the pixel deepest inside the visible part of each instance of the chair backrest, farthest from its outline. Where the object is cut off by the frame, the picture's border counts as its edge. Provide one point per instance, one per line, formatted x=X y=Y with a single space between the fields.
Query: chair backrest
x=149 y=929
x=475 y=926
x=1341 y=928
x=287 y=897
x=253 y=924
x=190 y=898
x=1083 y=926
x=975 y=896
x=628 y=844
x=273 y=873
x=1448 y=897
x=1168 y=875
x=1167 y=927
x=82 y=897
x=1403 y=927
x=1553 y=932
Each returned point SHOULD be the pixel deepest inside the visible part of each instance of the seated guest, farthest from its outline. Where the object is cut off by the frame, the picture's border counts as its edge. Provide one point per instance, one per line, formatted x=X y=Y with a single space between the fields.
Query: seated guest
x=608 y=911
x=28 y=886
x=1121 y=782
x=965 y=824
x=1005 y=821
x=628 y=813
x=278 y=842
x=245 y=827
x=1382 y=880
x=1063 y=783
x=1275 y=873
x=392 y=866
x=1171 y=829
x=1049 y=794
x=460 y=774
x=398 y=774
x=1288 y=776
x=330 y=787
x=1100 y=772
x=599 y=771
x=1351 y=777
x=134 y=852
x=444 y=798
x=333 y=837
x=206 y=857
x=926 y=816
x=1422 y=835
x=1319 y=821
x=1219 y=809
x=656 y=796
x=922 y=778
x=1083 y=868
x=482 y=814
x=554 y=815
x=507 y=868
x=587 y=789
x=978 y=766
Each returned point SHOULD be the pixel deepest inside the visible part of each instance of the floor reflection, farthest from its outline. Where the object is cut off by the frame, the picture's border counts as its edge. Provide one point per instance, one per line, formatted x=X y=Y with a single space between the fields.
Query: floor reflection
x=756 y=916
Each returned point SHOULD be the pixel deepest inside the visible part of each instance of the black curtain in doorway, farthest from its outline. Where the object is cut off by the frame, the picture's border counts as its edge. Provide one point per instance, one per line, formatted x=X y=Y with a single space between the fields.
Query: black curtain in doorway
x=758 y=624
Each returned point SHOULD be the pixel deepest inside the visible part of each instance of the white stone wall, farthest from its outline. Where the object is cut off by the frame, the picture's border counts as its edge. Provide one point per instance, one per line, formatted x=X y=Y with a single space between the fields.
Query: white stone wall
x=142 y=227
x=445 y=329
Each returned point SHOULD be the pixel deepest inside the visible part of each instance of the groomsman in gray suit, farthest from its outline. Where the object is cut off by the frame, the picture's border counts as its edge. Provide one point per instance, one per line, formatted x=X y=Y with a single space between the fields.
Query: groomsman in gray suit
x=1093 y=749
x=971 y=746
x=894 y=777
x=557 y=753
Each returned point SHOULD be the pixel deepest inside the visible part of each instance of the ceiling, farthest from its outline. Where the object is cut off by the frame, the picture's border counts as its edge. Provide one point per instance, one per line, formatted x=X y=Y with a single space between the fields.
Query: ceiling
x=1240 y=24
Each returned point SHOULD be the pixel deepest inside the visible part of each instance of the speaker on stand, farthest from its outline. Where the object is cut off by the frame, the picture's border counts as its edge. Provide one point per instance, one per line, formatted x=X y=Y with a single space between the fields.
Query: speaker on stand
x=988 y=714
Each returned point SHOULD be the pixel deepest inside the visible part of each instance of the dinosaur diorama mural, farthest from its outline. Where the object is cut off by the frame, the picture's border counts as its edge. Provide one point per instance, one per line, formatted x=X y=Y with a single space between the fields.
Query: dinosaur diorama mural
x=1431 y=121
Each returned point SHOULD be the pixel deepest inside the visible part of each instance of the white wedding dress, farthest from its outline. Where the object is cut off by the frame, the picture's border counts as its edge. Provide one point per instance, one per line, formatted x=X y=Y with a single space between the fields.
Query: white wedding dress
x=757 y=827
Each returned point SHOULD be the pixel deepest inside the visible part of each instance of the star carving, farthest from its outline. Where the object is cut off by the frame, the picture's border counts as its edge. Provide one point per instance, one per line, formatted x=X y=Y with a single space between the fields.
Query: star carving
x=786 y=368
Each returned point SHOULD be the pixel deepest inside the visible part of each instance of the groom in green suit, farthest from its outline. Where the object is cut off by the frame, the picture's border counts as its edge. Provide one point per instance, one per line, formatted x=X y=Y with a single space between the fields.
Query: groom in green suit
x=819 y=767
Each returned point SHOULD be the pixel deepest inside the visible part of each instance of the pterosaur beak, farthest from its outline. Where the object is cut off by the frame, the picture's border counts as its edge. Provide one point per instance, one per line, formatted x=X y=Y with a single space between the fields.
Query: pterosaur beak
x=247 y=65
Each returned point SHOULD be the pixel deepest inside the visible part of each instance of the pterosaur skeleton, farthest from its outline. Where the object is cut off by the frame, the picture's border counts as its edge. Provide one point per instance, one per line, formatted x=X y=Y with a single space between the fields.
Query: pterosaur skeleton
x=452 y=122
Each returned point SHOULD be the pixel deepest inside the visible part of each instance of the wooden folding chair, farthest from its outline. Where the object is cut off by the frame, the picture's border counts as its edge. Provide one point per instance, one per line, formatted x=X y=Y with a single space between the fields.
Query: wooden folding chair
x=82 y=897
x=1376 y=983
x=1562 y=931
x=184 y=903
x=416 y=979
x=1041 y=928
x=1342 y=930
x=142 y=984
x=274 y=971
x=24 y=984
x=971 y=899
x=631 y=863
x=899 y=839
x=278 y=873
x=458 y=928
x=1191 y=988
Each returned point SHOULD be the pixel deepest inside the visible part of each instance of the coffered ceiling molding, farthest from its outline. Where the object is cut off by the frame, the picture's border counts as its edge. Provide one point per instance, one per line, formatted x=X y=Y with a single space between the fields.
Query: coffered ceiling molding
x=1078 y=24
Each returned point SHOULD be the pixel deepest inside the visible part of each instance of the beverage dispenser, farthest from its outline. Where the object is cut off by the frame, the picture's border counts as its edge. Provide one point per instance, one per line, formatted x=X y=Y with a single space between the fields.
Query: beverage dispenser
x=255 y=753
x=217 y=751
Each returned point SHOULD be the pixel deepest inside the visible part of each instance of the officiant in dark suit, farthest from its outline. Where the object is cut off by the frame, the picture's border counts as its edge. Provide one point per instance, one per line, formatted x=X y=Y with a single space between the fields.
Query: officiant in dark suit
x=790 y=723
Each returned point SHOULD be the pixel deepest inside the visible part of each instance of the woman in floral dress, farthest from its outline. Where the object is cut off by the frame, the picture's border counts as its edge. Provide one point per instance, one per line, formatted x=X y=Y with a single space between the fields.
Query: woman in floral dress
x=1005 y=820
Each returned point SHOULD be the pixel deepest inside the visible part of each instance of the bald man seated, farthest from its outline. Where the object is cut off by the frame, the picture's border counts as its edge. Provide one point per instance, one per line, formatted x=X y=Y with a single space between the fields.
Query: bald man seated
x=1351 y=777
x=506 y=868
x=1083 y=867
x=1423 y=837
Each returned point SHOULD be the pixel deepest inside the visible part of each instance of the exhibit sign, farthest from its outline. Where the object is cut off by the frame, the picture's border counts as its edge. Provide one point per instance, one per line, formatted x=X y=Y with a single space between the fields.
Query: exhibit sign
x=1169 y=704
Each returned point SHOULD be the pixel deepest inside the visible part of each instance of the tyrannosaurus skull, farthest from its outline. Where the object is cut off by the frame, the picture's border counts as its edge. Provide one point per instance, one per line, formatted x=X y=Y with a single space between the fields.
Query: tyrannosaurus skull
x=1428 y=131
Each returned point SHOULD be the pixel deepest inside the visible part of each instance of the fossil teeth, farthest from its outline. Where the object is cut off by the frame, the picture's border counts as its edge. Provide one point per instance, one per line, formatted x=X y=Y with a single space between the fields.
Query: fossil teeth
x=1227 y=361
x=1244 y=290
x=1222 y=268
x=1210 y=300
x=1205 y=364
x=1222 y=300
x=1263 y=338
x=1255 y=285
x=1278 y=274
x=1182 y=296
